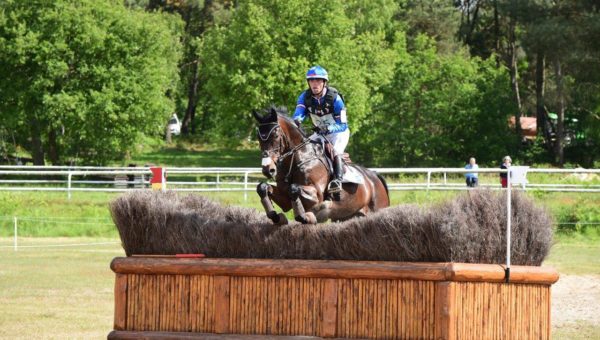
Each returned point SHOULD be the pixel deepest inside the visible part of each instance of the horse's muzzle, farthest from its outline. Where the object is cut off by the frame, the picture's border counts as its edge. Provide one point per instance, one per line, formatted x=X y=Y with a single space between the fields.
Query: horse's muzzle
x=269 y=171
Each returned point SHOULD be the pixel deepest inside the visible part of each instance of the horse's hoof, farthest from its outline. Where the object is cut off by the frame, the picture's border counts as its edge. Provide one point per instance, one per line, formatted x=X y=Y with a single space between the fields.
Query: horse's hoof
x=281 y=219
x=301 y=219
x=311 y=218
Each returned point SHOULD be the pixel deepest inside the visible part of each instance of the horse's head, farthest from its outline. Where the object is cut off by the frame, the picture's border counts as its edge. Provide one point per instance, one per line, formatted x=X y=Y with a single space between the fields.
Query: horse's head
x=277 y=134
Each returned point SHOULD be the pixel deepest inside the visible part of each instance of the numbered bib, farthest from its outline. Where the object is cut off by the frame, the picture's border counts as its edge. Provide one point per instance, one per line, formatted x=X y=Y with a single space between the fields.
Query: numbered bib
x=322 y=121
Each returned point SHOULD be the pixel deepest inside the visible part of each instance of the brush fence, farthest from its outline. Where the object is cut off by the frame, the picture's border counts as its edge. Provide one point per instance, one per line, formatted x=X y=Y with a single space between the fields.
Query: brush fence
x=162 y=297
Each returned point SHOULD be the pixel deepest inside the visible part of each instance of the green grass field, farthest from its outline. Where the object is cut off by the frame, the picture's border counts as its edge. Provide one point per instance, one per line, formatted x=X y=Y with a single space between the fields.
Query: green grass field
x=57 y=292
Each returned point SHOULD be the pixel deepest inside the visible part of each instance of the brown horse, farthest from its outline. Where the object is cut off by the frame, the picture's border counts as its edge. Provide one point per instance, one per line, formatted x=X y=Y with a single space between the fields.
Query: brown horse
x=299 y=167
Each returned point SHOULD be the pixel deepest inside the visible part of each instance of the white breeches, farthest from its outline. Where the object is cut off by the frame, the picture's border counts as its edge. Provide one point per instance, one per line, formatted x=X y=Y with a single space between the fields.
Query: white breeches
x=338 y=140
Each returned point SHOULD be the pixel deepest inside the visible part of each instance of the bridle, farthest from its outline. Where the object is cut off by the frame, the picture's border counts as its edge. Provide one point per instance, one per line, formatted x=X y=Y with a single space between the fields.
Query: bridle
x=283 y=144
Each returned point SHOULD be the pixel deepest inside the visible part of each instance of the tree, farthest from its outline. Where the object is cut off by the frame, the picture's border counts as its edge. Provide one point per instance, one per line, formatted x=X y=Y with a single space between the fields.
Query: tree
x=558 y=40
x=437 y=19
x=262 y=55
x=198 y=16
x=441 y=109
x=85 y=80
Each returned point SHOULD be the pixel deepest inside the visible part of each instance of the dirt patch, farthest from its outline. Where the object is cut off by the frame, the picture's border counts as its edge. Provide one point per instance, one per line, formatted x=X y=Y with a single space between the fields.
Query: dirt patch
x=576 y=298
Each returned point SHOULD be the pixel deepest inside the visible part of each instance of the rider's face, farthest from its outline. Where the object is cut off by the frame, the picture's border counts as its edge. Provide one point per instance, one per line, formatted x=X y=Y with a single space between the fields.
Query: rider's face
x=316 y=85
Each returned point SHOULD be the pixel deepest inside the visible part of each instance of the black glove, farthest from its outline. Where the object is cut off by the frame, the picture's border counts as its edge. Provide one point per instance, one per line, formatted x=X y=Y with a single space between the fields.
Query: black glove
x=320 y=131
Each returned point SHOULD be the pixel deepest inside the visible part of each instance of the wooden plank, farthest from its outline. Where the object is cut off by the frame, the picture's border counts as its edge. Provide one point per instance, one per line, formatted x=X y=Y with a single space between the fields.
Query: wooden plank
x=330 y=308
x=445 y=311
x=284 y=268
x=495 y=273
x=221 y=284
x=334 y=269
x=120 y=302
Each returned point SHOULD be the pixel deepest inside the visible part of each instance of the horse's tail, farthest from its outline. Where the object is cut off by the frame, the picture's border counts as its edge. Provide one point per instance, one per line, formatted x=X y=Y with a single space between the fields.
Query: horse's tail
x=387 y=191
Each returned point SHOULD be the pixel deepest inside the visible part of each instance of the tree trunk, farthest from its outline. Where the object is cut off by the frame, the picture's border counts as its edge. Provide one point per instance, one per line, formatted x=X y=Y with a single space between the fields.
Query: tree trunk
x=544 y=128
x=514 y=82
x=37 y=152
x=168 y=136
x=471 y=21
x=559 y=146
x=190 y=112
x=53 y=152
x=497 y=33
x=195 y=28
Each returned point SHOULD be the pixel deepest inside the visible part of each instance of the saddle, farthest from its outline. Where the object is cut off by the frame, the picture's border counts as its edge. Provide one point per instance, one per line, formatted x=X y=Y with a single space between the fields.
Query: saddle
x=329 y=153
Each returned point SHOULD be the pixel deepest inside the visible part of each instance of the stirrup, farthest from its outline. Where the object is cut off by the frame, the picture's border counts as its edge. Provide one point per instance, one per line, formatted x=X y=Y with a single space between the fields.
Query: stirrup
x=335 y=186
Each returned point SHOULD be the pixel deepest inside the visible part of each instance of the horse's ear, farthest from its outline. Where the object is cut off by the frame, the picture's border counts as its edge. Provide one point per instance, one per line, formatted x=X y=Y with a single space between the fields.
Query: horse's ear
x=273 y=114
x=257 y=116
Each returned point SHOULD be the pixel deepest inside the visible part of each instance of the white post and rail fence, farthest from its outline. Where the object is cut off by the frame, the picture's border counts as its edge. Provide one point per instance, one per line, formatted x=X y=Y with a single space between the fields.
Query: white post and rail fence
x=89 y=179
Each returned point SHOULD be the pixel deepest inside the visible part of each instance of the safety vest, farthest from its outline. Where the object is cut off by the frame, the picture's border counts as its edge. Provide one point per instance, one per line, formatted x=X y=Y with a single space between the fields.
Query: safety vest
x=321 y=110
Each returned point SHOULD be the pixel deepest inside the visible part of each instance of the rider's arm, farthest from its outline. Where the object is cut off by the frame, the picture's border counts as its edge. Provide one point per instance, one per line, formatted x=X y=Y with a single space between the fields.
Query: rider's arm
x=300 y=112
x=339 y=114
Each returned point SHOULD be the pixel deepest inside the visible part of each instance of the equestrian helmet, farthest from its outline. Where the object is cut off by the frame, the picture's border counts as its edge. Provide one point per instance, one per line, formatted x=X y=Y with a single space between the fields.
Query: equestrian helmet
x=317 y=72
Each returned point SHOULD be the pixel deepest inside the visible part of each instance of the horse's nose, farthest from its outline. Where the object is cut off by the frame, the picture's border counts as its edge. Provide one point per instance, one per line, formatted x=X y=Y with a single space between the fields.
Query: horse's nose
x=269 y=172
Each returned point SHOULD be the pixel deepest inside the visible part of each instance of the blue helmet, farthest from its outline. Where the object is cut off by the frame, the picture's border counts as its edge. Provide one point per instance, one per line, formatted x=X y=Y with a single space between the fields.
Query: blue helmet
x=317 y=72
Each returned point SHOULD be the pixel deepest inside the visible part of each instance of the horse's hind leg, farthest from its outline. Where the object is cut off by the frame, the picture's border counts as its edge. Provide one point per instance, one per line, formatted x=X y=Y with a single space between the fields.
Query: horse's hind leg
x=264 y=190
x=322 y=211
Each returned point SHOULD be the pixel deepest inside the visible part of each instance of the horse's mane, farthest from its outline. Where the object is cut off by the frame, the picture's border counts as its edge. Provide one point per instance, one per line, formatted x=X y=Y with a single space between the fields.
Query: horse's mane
x=283 y=112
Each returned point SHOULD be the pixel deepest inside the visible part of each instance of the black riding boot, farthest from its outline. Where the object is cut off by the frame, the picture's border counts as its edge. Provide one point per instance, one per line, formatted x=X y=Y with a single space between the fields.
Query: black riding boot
x=335 y=187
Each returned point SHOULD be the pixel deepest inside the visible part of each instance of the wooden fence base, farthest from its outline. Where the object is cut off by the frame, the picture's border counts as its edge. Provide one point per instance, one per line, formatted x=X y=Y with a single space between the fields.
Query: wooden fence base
x=218 y=298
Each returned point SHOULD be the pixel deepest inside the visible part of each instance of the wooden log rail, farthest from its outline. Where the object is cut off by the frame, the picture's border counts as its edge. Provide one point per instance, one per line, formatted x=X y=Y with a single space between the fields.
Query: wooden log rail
x=162 y=297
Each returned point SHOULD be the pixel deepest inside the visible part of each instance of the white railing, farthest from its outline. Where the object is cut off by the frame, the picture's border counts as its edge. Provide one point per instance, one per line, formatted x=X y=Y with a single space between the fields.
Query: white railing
x=118 y=179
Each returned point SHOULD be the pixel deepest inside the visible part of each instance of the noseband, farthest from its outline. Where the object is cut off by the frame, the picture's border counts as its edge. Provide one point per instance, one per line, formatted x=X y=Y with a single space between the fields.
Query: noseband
x=284 y=142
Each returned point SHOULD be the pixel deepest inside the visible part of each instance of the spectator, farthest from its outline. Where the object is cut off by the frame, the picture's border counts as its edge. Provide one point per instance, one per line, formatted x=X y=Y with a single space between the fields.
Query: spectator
x=506 y=161
x=471 y=177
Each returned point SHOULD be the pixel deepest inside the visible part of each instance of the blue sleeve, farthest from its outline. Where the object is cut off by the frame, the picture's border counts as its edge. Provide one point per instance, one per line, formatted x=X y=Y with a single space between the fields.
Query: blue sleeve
x=338 y=105
x=339 y=114
x=300 y=112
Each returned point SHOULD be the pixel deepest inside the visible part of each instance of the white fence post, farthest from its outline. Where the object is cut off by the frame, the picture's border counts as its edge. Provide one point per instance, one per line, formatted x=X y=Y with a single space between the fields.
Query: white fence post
x=69 y=176
x=428 y=179
x=15 y=223
x=508 y=222
x=245 y=186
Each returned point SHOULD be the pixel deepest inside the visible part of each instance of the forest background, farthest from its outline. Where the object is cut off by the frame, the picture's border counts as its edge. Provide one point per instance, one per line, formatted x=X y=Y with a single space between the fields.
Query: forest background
x=426 y=83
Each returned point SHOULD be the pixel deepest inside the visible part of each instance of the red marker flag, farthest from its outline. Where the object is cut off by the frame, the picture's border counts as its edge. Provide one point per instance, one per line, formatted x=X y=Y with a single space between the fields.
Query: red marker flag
x=158 y=180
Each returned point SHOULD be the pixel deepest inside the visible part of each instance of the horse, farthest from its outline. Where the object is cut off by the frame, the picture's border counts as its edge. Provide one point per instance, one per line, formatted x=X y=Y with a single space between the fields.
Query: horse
x=300 y=169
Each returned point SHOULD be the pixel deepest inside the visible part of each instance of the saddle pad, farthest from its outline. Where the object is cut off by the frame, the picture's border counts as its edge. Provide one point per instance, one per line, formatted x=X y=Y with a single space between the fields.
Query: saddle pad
x=351 y=175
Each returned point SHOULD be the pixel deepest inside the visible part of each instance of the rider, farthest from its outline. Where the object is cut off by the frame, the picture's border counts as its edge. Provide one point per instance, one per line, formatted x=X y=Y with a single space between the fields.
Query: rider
x=328 y=114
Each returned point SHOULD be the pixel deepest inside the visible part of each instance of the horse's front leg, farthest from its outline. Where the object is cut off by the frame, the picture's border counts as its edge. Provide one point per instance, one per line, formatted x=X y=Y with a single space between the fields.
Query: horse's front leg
x=310 y=196
x=266 y=191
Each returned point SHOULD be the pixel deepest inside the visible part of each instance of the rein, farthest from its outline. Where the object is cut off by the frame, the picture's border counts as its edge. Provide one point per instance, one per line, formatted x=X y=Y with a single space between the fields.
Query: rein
x=292 y=152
